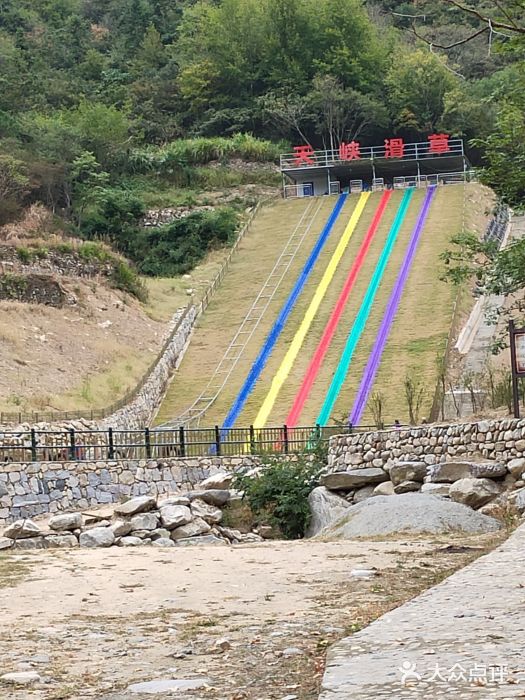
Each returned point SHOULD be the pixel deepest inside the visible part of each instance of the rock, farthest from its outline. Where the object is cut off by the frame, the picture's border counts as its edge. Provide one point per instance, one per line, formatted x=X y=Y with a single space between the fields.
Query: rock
x=59 y=541
x=517 y=498
x=516 y=467
x=363 y=573
x=145 y=521
x=174 y=501
x=407 y=487
x=267 y=532
x=293 y=651
x=449 y=472
x=363 y=493
x=67 y=521
x=346 y=481
x=95 y=516
x=232 y=534
x=384 y=489
x=131 y=542
x=196 y=527
x=325 y=507
x=31 y=543
x=215 y=497
x=159 y=533
x=474 y=492
x=411 y=513
x=201 y=509
x=97 y=537
x=21 y=529
x=220 y=481
x=173 y=516
x=408 y=471
x=495 y=508
x=121 y=528
x=140 y=504
x=6 y=543
x=163 y=542
x=168 y=685
x=203 y=539
x=436 y=489
x=21 y=678
x=223 y=644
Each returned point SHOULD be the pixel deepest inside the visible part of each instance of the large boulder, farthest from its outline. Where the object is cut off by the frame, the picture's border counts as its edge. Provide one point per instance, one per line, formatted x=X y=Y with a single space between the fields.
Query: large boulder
x=6 y=543
x=121 y=528
x=325 y=507
x=407 y=487
x=198 y=526
x=449 y=472
x=386 y=488
x=215 y=497
x=97 y=537
x=436 y=489
x=61 y=541
x=220 y=481
x=144 y=521
x=201 y=509
x=175 y=516
x=517 y=467
x=517 y=498
x=474 y=492
x=408 y=471
x=354 y=478
x=21 y=529
x=409 y=513
x=140 y=504
x=65 y=522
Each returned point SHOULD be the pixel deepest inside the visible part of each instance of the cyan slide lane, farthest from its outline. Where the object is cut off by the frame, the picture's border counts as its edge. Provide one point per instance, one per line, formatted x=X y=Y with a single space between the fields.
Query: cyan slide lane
x=364 y=312
x=367 y=380
x=273 y=335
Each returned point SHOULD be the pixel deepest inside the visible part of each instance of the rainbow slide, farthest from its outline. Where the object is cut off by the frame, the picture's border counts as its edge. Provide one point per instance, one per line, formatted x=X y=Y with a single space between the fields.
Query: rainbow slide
x=331 y=327
x=310 y=313
x=273 y=335
x=374 y=360
x=363 y=313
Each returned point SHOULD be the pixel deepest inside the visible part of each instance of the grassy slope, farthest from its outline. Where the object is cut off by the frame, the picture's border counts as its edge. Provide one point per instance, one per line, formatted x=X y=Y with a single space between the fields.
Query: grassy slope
x=418 y=333
x=248 y=272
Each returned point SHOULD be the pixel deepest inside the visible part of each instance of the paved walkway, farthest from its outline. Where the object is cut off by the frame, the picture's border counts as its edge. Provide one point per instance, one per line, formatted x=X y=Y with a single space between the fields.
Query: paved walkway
x=464 y=638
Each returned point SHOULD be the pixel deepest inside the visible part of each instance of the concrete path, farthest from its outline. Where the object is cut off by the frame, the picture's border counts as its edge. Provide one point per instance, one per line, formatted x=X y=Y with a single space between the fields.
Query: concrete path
x=464 y=638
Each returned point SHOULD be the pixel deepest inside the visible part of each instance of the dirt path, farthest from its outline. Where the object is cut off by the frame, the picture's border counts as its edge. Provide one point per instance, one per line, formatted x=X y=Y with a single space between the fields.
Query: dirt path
x=253 y=620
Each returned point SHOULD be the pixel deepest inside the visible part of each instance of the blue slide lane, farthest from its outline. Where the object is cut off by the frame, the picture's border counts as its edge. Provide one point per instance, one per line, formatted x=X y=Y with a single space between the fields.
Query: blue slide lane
x=363 y=313
x=273 y=335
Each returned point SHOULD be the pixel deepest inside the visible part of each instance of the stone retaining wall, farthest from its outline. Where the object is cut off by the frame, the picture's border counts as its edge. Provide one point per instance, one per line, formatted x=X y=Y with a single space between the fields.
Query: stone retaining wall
x=498 y=440
x=35 y=488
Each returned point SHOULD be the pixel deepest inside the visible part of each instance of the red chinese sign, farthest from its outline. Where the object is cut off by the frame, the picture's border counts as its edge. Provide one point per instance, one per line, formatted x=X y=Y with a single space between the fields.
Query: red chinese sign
x=438 y=143
x=350 y=151
x=303 y=154
x=394 y=148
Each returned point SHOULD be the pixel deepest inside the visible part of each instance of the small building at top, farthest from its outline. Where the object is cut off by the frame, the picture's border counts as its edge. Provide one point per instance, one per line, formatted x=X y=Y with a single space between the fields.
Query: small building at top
x=354 y=168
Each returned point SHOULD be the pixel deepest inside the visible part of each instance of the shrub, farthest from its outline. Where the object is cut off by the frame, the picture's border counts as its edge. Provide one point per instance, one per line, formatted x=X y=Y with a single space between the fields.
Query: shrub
x=279 y=495
x=126 y=279
x=91 y=251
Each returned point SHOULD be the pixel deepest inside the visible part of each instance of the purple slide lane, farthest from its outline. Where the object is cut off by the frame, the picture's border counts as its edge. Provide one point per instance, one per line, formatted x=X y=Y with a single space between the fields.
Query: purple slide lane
x=374 y=360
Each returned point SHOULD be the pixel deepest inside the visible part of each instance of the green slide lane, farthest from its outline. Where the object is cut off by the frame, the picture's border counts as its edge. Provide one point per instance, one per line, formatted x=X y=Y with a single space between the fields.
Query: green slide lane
x=363 y=313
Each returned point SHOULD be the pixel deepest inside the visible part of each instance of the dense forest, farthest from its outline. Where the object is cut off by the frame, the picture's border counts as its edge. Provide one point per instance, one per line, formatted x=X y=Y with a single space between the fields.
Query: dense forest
x=98 y=96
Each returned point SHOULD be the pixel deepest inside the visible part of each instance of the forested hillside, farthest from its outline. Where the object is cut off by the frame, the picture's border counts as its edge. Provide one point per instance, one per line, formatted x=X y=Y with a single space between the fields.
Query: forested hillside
x=106 y=104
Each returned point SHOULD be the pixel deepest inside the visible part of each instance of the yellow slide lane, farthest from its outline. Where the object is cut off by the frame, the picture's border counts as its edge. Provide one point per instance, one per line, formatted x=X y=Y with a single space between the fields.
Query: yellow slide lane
x=298 y=339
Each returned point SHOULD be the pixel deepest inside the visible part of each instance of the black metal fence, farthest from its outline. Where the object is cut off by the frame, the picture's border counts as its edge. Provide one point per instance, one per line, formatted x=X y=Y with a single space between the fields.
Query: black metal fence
x=80 y=445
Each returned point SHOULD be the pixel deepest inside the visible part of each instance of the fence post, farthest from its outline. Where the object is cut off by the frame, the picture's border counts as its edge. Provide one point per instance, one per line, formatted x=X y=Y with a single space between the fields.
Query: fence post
x=72 y=450
x=111 y=446
x=318 y=432
x=252 y=440
x=217 y=441
x=182 y=441
x=33 y=445
x=147 y=437
x=286 y=443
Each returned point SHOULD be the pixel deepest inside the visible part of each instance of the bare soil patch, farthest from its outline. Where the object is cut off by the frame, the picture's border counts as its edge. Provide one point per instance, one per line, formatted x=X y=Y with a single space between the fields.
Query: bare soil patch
x=254 y=619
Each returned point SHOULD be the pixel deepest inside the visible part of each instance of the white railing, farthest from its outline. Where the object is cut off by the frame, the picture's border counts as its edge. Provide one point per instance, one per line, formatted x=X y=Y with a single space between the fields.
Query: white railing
x=308 y=158
x=378 y=184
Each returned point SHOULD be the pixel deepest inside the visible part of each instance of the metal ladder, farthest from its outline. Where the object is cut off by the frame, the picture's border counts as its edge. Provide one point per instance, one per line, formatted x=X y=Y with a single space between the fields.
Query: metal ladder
x=251 y=321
